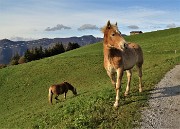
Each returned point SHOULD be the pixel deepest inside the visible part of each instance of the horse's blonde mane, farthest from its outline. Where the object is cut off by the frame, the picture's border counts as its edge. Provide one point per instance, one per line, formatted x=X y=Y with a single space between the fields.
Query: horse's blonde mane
x=103 y=29
x=113 y=26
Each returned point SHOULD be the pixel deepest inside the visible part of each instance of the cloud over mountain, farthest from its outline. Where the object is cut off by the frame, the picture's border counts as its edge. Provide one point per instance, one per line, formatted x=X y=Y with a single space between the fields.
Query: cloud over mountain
x=171 y=25
x=133 y=27
x=88 y=27
x=21 y=39
x=57 y=27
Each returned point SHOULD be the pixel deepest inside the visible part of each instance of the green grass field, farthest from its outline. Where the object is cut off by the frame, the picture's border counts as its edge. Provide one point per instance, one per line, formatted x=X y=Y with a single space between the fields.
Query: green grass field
x=24 y=88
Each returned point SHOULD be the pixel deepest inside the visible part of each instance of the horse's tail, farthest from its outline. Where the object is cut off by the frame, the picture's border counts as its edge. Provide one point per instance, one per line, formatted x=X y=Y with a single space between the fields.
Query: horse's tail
x=50 y=95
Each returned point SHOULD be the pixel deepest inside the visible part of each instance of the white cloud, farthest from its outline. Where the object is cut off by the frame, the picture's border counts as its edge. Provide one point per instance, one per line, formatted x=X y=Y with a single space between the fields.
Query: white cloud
x=133 y=27
x=171 y=25
x=21 y=39
x=57 y=27
x=88 y=27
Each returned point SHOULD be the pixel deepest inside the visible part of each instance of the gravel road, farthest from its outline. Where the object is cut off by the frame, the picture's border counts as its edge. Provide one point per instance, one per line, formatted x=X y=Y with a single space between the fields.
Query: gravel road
x=164 y=104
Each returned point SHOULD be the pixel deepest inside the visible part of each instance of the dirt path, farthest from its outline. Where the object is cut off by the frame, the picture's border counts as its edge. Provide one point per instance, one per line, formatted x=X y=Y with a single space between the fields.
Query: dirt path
x=164 y=105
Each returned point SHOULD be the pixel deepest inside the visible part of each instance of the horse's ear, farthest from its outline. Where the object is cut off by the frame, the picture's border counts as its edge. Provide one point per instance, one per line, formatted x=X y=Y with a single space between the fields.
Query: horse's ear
x=116 y=24
x=108 y=25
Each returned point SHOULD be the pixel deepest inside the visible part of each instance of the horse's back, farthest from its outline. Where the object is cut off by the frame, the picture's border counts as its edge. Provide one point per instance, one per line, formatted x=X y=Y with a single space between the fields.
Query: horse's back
x=133 y=55
x=138 y=52
x=58 y=88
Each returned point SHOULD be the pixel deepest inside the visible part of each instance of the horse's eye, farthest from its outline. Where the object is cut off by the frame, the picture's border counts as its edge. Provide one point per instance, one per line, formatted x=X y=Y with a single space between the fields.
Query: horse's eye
x=113 y=34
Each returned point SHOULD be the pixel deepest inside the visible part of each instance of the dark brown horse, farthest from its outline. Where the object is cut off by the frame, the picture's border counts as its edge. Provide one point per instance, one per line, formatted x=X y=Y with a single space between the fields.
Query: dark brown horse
x=59 y=89
x=120 y=56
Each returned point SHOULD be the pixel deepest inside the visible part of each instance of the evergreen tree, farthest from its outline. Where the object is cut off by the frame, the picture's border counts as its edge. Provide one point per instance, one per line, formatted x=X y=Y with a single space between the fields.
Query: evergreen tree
x=76 y=45
x=22 y=60
x=41 y=52
x=33 y=53
x=69 y=46
x=15 y=59
x=72 y=46
x=2 y=66
x=47 y=52
x=28 y=55
x=57 y=49
x=38 y=53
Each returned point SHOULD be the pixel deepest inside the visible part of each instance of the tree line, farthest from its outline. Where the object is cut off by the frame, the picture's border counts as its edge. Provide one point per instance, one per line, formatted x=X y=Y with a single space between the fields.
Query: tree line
x=39 y=53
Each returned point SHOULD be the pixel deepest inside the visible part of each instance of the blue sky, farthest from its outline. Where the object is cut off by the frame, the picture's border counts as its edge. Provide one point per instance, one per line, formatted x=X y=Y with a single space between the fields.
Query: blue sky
x=33 y=19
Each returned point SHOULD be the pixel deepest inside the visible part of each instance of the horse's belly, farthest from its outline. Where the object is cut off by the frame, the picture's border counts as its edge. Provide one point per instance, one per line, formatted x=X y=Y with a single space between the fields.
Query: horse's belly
x=58 y=90
x=129 y=64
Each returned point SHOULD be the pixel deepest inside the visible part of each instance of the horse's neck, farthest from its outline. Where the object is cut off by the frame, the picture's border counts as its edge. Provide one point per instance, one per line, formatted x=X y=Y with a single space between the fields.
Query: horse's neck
x=111 y=52
x=106 y=51
x=70 y=87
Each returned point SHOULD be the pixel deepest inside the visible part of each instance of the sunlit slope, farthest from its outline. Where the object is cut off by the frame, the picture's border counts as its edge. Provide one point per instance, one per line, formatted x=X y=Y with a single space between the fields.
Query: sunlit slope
x=24 y=88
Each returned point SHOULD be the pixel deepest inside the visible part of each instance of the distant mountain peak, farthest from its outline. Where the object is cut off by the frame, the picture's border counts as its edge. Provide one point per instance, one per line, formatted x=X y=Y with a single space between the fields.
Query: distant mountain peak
x=5 y=41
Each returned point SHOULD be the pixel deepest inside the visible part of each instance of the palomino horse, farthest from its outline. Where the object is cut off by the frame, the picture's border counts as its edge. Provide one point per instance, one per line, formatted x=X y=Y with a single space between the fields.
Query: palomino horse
x=60 y=89
x=120 y=56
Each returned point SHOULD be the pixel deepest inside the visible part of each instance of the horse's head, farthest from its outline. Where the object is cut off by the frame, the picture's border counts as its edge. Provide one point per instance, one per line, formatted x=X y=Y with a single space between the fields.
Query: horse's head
x=112 y=37
x=74 y=91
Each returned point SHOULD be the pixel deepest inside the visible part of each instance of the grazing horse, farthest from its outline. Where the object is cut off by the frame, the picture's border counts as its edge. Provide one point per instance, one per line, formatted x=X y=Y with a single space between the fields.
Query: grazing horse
x=120 y=56
x=60 y=89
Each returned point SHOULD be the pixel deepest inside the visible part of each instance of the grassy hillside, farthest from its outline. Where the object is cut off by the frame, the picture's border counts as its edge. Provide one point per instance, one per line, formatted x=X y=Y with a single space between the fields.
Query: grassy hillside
x=24 y=88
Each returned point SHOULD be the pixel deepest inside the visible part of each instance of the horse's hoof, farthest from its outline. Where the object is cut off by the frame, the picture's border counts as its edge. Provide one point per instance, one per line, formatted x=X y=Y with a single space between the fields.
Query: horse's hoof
x=125 y=94
x=140 y=90
x=116 y=105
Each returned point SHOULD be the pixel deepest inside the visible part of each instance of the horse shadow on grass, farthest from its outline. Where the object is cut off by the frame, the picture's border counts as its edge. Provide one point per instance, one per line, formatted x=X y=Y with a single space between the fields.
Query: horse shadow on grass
x=134 y=97
x=165 y=92
x=61 y=99
x=156 y=93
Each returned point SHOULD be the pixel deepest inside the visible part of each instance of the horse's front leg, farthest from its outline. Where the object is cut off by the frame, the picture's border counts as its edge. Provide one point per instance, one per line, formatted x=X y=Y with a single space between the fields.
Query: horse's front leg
x=64 y=95
x=56 y=97
x=112 y=76
x=118 y=85
x=129 y=74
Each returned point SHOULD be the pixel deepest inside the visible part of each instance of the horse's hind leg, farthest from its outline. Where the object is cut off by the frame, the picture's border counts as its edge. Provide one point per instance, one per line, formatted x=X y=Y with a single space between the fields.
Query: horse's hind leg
x=139 y=68
x=56 y=97
x=129 y=74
